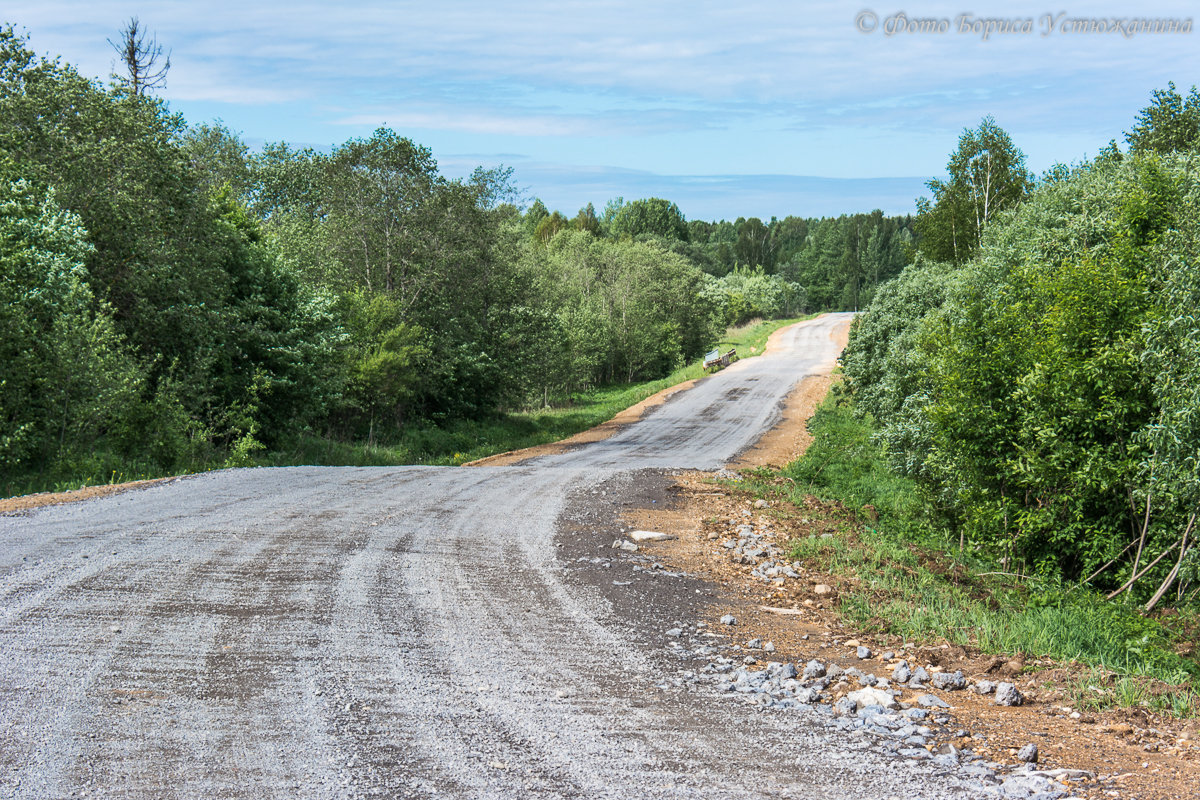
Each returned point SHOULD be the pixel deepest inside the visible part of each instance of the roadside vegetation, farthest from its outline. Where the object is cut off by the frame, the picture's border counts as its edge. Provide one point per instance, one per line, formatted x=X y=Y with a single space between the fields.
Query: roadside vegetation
x=451 y=443
x=468 y=440
x=1015 y=450
x=1044 y=395
x=907 y=577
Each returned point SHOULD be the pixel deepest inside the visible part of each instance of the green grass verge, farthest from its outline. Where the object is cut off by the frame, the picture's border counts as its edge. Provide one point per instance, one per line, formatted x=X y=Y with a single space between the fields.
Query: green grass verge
x=455 y=442
x=912 y=581
x=100 y=469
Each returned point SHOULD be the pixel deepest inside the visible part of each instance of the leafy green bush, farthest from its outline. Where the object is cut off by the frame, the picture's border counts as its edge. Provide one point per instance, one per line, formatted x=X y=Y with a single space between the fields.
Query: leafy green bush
x=912 y=580
x=66 y=375
x=617 y=310
x=1043 y=394
x=745 y=294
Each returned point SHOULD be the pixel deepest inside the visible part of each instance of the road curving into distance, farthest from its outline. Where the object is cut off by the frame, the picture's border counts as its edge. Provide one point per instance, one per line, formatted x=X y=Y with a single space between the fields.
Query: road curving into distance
x=409 y=632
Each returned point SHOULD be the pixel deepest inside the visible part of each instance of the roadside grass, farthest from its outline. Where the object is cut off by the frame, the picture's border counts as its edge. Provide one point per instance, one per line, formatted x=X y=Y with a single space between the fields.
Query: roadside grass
x=100 y=469
x=1099 y=690
x=908 y=578
x=452 y=443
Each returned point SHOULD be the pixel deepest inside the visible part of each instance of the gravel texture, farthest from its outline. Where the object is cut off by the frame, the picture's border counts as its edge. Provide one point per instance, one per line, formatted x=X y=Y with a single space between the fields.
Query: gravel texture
x=412 y=632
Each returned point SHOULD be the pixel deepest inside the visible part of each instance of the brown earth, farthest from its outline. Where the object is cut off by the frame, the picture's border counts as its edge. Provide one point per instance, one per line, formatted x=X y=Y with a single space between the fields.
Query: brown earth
x=1133 y=753
x=14 y=505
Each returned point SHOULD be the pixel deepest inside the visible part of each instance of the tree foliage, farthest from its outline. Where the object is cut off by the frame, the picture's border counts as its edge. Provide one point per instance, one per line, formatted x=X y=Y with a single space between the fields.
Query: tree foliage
x=65 y=375
x=746 y=294
x=651 y=216
x=1171 y=123
x=619 y=310
x=175 y=274
x=987 y=175
x=1043 y=393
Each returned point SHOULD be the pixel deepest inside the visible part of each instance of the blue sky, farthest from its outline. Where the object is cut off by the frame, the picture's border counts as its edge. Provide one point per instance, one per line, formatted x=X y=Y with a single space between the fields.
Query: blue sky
x=729 y=109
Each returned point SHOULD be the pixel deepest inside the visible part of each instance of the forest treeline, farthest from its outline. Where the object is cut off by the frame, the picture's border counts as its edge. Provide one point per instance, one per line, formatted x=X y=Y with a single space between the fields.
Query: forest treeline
x=1037 y=368
x=170 y=299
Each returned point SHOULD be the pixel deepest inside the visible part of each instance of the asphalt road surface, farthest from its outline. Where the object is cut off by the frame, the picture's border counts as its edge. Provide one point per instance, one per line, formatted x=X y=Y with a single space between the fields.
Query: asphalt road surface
x=321 y=632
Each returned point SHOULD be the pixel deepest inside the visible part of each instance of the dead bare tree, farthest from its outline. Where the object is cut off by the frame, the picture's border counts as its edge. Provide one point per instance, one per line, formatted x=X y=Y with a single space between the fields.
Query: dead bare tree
x=140 y=54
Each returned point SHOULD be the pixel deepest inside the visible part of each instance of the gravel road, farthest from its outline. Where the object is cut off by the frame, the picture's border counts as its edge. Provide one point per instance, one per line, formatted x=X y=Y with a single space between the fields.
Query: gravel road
x=320 y=632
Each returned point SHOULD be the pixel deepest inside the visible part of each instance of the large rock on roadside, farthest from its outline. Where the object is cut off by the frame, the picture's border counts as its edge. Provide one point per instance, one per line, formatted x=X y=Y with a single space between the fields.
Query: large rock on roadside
x=949 y=680
x=649 y=536
x=1026 y=786
x=1007 y=695
x=844 y=707
x=932 y=701
x=873 y=697
x=814 y=669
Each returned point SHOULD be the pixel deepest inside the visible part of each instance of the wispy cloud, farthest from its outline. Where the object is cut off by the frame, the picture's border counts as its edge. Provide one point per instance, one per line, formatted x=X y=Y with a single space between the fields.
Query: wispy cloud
x=674 y=87
x=518 y=122
x=486 y=124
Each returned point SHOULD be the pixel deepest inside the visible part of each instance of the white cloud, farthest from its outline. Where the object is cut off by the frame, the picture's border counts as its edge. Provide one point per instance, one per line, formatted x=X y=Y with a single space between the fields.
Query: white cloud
x=486 y=124
x=766 y=53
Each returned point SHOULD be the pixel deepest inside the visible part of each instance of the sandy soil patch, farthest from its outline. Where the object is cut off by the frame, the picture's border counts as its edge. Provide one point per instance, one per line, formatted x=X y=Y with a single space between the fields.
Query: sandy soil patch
x=26 y=502
x=788 y=440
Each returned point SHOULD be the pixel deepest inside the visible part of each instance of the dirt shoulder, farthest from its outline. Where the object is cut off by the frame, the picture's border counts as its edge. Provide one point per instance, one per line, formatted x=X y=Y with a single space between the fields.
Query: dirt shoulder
x=27 y=502
x=789 y=438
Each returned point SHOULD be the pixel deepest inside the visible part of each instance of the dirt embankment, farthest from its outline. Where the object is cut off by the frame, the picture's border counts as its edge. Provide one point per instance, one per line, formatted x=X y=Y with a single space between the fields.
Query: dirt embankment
x=15 y=505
